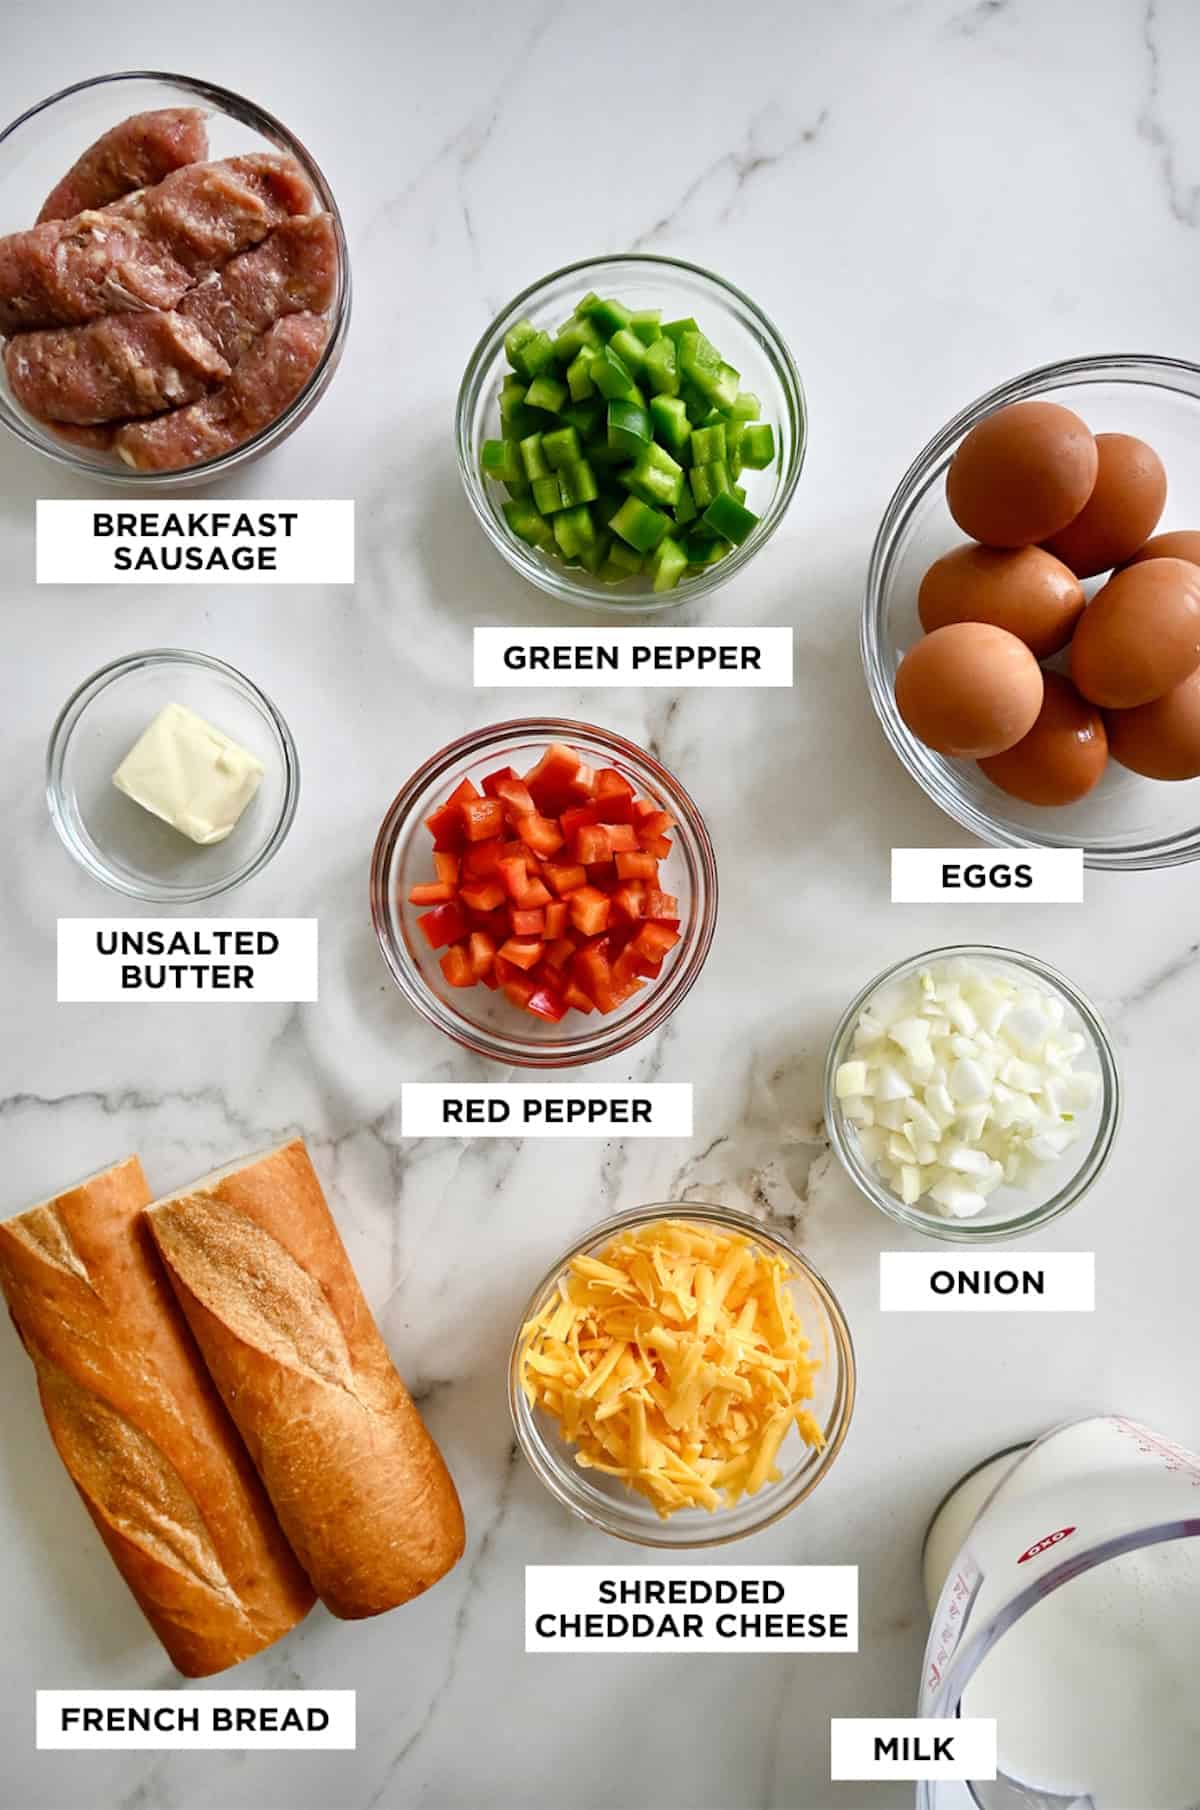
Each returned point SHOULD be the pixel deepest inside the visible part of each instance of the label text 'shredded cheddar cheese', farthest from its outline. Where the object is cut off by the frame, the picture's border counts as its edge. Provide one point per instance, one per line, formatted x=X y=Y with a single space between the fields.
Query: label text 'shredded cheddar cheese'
x=675 y=1360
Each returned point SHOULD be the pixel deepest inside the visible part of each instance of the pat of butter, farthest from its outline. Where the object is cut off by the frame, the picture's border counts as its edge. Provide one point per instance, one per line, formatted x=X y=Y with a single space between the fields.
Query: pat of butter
x=189 y=774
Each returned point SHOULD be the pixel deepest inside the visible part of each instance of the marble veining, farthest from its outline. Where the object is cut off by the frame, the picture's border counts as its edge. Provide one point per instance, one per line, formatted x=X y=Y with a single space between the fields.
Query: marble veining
x=927 y=197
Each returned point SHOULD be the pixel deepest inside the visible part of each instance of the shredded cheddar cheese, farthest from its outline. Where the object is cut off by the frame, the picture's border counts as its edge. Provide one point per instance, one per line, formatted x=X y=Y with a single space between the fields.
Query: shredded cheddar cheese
x=676 y=1362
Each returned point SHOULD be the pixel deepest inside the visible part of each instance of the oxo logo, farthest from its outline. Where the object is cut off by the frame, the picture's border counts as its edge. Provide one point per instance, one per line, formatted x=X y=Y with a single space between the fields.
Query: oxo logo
x=1040 y=1546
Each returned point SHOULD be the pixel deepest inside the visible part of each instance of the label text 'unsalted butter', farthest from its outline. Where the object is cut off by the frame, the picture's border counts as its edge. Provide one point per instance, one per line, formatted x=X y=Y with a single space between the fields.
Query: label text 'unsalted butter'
x=603 y=658
x=293 y=542
x=989 y=1282
x=156 y=961
x=691 y=1608
x=546 y=1109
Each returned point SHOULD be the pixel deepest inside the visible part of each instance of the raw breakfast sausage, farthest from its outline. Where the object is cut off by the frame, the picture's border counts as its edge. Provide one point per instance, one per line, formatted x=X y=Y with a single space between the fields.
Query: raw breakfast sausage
x=134 y=155
x=264 y=383
x=126 y=366
x=120 y=366
x=147 y=250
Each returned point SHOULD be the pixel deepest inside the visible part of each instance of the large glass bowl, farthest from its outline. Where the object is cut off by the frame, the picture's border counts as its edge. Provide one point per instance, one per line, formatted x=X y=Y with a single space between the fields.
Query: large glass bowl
x=1010 y=1212
x=1127 y=821
x=744 y=336
x=486 y=1022
x=603 y=1501
x=38 y=148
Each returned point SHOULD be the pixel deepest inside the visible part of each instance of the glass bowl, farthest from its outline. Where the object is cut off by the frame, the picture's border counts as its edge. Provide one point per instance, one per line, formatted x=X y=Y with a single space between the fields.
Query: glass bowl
x=124 y=846
x=1010 y=1211
x=487 y=1022
x=742 y=333
x=603 y=1501
x=37 y=149
x=1126 y=822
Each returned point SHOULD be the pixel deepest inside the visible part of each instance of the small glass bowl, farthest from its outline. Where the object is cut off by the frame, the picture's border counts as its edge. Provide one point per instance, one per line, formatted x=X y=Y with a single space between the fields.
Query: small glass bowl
x=39 y=147
x=126 y=847
x=487 y=1022
x=742 y=333
x=1010 y=1211
x=603 y=1501
x=1127 y=822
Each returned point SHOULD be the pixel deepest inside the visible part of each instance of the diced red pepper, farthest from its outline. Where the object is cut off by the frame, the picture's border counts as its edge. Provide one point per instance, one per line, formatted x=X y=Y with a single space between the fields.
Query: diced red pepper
x=562 y=878
x=590 y=844
x=541 y=834
x=622 y=838
x=520 y=991
x=482 y=951
x=614 y=797
x=446 y=827
x=576 y=999
x=560 y=951
x=522 y=954
x=482 y=895
x=556 y=915
x=638 y=866
x=550 y=781
x=658 y=846
x=482 y=818
x=445 y=924
x=446 y=865
x=535 y=894
x=662 y=905
x=545 y=1003
x=656 y=823
x=514 y=877
x=479 y=860
x=528 y=923
x=629 y=899
x=493 y=780
x=456 y=966
x=604 y=875
x=589 y=909
x=434 y=892
x=571 y=822
x=515 y=795
x=654 y=941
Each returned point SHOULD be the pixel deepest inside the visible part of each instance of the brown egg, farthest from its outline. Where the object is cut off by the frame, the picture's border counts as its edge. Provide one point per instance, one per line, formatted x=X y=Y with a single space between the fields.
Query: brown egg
x=1177 y=543
x=1122 y=511
x=1160 y=740
x=1022 y=589
x=969 y=689
x=1022 y=474
x=1063 y=755
x=1140 y=634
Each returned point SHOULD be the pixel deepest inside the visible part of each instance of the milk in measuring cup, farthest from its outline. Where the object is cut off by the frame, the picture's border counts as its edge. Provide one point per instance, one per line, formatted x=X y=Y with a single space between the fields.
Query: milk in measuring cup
x=1095 y=1688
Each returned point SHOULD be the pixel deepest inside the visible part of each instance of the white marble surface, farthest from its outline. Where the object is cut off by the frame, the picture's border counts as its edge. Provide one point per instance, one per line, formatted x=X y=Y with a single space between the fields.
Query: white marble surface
x=927 y=197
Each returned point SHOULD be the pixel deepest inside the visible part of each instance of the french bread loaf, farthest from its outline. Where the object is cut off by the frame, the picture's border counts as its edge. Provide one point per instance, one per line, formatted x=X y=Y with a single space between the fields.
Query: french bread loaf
x=140 y=1428
x=359 y=1486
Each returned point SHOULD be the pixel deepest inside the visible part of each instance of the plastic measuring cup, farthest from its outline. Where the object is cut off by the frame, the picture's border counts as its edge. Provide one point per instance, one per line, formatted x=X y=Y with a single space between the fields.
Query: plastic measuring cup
x=1064 y=1585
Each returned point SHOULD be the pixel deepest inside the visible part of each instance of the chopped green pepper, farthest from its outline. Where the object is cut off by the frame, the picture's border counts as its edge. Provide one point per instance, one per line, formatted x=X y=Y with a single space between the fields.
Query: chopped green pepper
x=501 y=459
x=629 y=428
x=561 y=448
x=640 y=525
x=731 y=519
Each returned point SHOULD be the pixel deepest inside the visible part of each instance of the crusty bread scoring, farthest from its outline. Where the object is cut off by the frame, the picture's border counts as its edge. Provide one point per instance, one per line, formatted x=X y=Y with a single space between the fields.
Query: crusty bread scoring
x=358 y=1484
x=140 y=1429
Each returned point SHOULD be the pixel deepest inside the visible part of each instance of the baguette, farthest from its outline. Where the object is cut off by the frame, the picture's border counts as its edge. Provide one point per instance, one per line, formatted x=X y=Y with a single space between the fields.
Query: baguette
x=140 y=1428
x=359 y=1486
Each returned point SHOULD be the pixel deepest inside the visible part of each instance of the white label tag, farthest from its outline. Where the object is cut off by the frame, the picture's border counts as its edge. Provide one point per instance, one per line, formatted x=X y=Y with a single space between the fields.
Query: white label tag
x=546 y=1109
x=873 y=1747
x=105 y=542
x=161 y=961
x=602 y=658
x=987 y=876
x=691 y=1609
x=990 y=1282
x=175 y=1719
